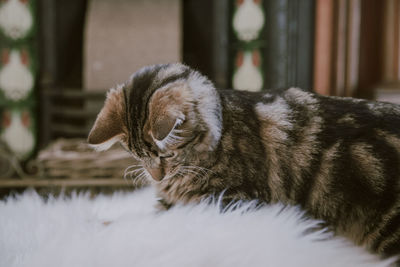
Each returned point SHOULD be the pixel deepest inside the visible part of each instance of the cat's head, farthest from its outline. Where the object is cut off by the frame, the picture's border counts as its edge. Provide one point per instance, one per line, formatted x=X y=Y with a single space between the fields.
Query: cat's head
x=168 y=116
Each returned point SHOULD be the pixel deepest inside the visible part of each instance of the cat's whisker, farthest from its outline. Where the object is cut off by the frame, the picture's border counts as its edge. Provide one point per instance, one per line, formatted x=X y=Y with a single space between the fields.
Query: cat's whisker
x=174 y=175
x=192 y=172
x=202 y=169
x=144 y=175
x=131 y=174
x=194 y=175
x=133 y=166
x=129 y=171
x=199 y=177
x=188 y=169
x=200 y=174
x=141 y=178
x=128 y=174
x=195 y=167
x=196 y=172
x=180 y=173
x=137 y=171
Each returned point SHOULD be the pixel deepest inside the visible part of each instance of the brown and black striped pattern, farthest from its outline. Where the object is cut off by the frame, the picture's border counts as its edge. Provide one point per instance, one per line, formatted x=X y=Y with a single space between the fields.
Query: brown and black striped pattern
x=338 y=158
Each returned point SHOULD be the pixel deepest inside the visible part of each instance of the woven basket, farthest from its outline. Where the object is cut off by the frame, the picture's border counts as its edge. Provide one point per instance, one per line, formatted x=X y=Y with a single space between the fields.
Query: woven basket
x=74 y=159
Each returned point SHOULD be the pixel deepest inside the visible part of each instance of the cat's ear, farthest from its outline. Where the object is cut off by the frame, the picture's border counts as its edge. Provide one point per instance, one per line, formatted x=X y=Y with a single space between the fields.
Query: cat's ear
x=109 y=126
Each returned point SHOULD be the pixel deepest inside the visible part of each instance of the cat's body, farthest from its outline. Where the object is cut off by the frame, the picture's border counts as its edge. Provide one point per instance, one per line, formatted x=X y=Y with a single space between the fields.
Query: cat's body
x=338 y=158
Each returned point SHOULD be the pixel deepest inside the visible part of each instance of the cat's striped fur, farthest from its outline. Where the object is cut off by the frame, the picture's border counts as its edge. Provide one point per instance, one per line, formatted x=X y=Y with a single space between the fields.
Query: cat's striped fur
x=338 y=158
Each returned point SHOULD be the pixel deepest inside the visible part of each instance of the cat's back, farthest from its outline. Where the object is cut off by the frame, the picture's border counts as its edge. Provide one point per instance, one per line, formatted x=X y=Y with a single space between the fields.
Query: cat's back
x=334 y=113
x=362 y=114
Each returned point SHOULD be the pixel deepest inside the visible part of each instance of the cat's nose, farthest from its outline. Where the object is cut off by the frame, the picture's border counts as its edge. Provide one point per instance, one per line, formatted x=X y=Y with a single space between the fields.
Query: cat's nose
x=156 y=173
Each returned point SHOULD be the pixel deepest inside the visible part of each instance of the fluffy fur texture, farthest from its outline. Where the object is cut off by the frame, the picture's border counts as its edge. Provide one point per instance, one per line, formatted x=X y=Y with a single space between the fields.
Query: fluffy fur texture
x=337 y=158
x=126 y=230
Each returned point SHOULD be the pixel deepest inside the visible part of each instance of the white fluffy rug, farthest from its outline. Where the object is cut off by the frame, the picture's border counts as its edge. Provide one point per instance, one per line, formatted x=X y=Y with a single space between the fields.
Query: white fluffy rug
x=72 y=232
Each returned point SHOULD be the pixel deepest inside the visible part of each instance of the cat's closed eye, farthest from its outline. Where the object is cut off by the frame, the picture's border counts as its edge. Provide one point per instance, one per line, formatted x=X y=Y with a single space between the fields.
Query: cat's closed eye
x=168 y=156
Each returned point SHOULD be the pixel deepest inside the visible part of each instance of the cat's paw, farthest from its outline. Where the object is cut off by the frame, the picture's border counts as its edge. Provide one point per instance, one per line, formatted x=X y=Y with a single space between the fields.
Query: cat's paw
x=163 y=205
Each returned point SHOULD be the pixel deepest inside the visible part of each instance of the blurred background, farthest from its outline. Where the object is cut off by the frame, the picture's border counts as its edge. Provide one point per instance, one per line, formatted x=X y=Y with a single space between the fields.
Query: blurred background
x=58 y=58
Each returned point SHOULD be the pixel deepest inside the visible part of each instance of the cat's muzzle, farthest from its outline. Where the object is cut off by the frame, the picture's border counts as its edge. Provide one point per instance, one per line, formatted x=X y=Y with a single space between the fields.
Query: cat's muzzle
x=156 y=173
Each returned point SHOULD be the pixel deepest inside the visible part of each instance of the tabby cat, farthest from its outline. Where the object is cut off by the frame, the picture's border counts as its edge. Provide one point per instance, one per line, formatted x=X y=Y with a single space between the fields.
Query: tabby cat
x=338 y=158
